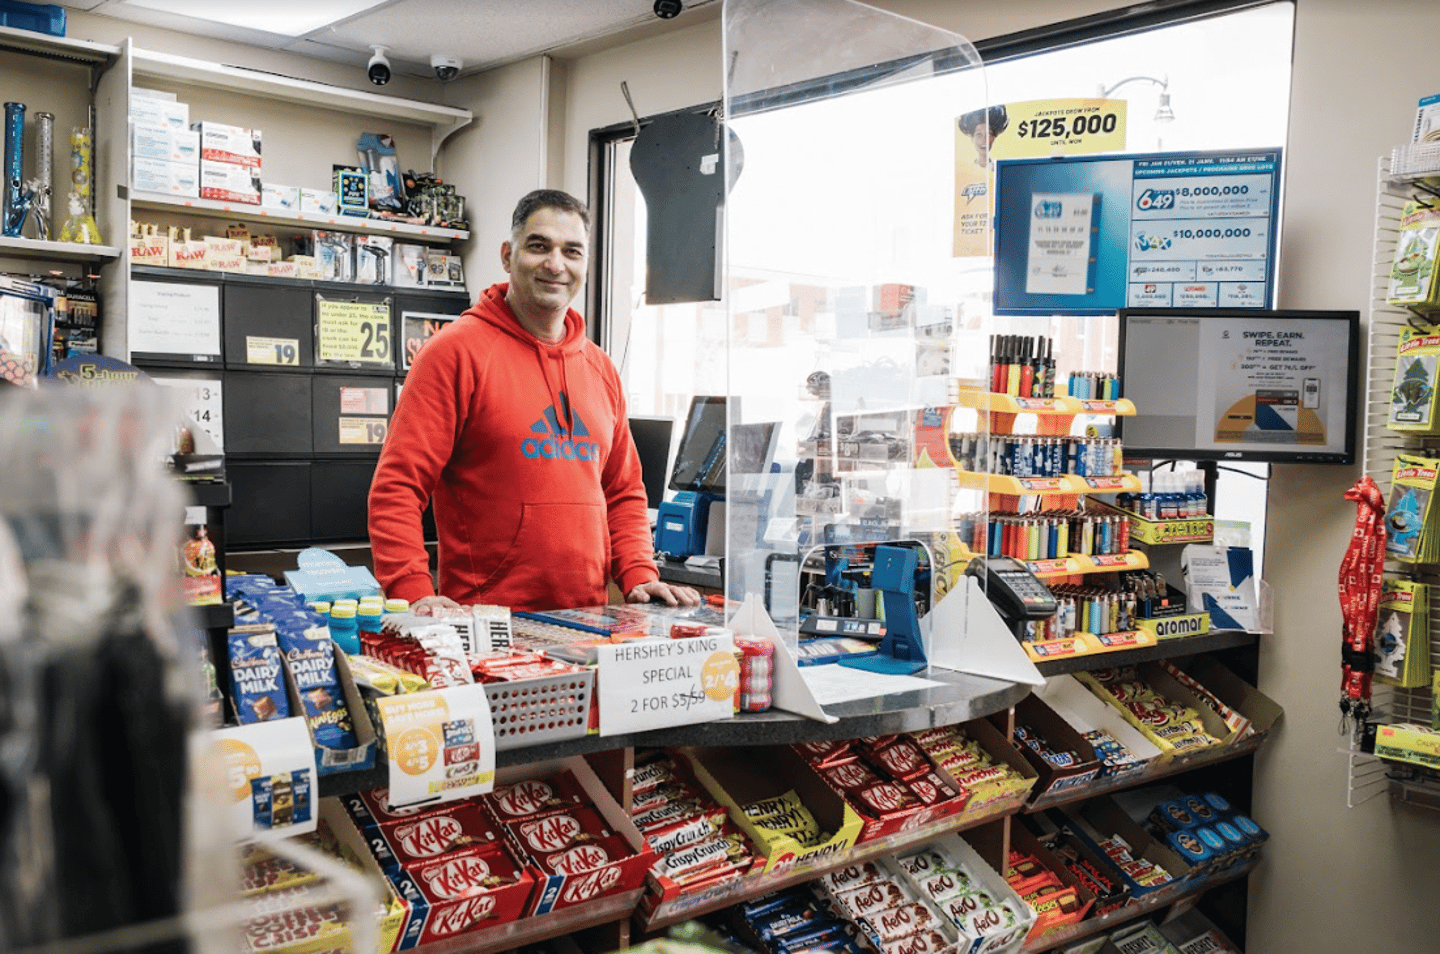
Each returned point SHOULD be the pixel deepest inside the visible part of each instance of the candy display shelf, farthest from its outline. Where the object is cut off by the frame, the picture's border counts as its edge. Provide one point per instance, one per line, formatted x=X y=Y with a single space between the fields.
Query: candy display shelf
x=705 y=902
x=1130 y=912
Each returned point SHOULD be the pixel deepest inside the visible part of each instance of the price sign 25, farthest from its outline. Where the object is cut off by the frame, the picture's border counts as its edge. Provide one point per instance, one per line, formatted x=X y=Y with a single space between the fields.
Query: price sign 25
x=354 y=332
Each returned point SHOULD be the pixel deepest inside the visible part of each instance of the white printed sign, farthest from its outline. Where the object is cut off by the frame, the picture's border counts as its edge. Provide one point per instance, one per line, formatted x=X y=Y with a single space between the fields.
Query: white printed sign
x=271 y=768
x=657 y=683
x=170 y=318
x=440 y=744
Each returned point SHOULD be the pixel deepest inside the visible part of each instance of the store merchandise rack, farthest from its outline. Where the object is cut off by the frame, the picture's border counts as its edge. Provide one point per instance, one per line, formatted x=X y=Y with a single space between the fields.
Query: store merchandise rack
x=1369 y=777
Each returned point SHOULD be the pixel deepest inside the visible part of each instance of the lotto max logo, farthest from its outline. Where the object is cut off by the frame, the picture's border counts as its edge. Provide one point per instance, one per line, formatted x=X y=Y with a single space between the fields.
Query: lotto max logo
x=1151 y=243
x=1048 y=209
x=1155 y=200
x=554 y=444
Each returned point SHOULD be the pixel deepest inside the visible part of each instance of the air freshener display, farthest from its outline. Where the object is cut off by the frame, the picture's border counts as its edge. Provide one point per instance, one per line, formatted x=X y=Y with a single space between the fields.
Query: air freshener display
x=1412 y=276
x=1402 y=634
x=1412 y=397
x=1410 y=535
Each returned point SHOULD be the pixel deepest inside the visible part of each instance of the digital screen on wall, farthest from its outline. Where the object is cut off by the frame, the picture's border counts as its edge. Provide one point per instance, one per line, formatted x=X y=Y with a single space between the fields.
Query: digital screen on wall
x=1240 y=384
x=1090 y=235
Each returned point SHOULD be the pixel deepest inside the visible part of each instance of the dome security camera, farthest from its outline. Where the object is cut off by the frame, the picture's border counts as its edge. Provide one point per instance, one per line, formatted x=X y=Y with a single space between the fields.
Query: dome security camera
x=379 y=67
x=668 y=9
x=446 y=66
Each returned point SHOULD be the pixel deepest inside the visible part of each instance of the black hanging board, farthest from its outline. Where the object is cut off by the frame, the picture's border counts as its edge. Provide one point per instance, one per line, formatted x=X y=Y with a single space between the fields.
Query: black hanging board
x=680 y=167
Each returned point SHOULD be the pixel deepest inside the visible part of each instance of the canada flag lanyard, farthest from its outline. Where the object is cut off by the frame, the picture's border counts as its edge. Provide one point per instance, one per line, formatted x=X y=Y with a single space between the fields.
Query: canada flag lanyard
x=1361 y=572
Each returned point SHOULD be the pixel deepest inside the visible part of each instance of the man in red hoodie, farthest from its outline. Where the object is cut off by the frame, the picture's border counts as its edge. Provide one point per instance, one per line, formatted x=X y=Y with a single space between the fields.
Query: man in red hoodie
x=515 y=423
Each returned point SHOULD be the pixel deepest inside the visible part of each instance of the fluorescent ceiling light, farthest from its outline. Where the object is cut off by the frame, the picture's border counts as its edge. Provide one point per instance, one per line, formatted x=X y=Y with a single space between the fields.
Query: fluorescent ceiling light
x=285 y=17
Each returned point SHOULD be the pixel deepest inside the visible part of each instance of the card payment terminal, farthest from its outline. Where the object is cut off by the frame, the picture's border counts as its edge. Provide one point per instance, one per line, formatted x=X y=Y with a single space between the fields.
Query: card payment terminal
x=1017 y=593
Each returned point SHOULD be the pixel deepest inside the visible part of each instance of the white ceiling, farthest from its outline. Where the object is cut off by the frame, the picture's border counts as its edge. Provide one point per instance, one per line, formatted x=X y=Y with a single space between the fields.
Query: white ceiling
x=483 y=33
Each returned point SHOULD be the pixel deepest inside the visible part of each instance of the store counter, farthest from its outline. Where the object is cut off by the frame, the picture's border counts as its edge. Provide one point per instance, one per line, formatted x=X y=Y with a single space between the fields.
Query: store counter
x=960 y=698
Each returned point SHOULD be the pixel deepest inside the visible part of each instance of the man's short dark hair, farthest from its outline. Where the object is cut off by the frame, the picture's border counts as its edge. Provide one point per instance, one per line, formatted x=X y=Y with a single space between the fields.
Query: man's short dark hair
x=547 y=199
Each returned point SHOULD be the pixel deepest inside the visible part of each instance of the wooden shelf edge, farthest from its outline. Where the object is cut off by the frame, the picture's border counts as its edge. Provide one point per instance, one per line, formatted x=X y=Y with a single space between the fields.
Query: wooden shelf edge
x=1229 y=753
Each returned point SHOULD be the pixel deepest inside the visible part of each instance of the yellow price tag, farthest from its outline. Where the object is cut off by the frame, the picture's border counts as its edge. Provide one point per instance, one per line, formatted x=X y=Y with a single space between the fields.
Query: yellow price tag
x=281 y=351
x=363 y=430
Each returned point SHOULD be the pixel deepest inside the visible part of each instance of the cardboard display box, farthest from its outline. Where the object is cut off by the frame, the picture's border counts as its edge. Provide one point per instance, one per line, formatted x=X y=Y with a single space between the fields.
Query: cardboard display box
x=999 y=796
x=329 y=761
x=1100 y=818
x=1052 y=778
x=729 y=775
x=987 y=841
x=623 y=877
x=984 y=870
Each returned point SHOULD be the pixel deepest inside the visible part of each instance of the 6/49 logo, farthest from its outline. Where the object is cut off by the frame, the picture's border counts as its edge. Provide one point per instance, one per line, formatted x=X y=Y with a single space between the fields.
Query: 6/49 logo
x=1156 y=200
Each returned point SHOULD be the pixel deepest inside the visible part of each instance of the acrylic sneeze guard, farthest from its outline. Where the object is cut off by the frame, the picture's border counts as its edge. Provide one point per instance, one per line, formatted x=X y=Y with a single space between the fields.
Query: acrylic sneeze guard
x=845 y=327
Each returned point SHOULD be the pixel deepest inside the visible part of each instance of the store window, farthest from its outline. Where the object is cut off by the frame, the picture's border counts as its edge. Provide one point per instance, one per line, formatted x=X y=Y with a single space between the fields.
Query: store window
x=1204 y=81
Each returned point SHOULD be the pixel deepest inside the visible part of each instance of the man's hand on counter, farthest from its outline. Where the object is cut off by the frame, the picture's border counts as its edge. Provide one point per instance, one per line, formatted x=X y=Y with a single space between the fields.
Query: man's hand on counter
x=658 y=591
x=425 y=606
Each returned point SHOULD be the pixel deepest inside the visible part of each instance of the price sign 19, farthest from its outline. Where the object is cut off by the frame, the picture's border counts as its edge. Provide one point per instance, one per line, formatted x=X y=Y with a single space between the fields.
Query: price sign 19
x=280 y=351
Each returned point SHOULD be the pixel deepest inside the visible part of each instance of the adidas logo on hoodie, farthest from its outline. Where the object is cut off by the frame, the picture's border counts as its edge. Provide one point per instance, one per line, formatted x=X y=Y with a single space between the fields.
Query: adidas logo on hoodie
x=555 y=444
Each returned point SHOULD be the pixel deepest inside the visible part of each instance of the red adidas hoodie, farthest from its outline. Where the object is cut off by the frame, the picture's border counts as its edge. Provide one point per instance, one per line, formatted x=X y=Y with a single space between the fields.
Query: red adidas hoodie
x=526 y=449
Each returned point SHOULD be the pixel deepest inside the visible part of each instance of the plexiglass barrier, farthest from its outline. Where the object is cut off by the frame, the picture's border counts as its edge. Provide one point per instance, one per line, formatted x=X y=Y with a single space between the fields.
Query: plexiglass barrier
x=849 y=344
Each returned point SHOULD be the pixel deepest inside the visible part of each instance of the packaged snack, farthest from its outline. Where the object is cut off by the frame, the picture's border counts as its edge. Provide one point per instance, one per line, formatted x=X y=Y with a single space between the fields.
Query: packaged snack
x=257 y=686
x=309 y=655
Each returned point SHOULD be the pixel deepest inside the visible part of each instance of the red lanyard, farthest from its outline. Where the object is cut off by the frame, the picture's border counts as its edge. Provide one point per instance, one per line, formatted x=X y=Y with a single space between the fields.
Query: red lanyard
x=1361 y=572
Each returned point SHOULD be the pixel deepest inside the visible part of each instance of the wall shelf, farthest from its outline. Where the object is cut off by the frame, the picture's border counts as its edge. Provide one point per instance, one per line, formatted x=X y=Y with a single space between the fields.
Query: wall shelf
x=50 y=251
x=56 y=47
x=211 y=208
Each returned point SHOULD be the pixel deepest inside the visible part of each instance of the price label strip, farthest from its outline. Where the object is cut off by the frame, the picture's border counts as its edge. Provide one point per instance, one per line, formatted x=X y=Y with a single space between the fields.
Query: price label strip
x=658 y=683
x=284 y=352
x=271 y=769
x=440 y=744
x=354 y=332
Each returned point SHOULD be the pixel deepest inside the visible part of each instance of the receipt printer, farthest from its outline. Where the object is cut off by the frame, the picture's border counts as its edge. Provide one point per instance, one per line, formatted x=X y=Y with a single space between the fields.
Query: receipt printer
x=680 y=524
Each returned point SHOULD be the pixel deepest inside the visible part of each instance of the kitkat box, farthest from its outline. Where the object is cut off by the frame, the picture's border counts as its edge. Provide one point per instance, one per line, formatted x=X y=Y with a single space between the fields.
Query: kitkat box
x=605 y=854
x=467 y=890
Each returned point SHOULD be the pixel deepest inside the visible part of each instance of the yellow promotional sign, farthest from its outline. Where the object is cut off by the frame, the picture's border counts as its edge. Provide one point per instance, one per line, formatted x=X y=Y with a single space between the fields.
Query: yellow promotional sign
x=1031 y=129
x=354 y=331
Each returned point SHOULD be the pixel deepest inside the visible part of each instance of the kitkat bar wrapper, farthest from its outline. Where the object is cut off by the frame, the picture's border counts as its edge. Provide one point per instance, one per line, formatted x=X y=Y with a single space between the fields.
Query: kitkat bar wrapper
x=547 y=834
x=585 y=856
x=373 y=807
x=467 y=890
x=468 y=871
x=536 y=796
x=447 y=828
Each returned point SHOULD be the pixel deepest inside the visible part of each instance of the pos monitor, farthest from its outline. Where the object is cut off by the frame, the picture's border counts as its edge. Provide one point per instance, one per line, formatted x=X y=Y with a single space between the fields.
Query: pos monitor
x=708 y=448
x=652 y=436
x=1247 y=385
